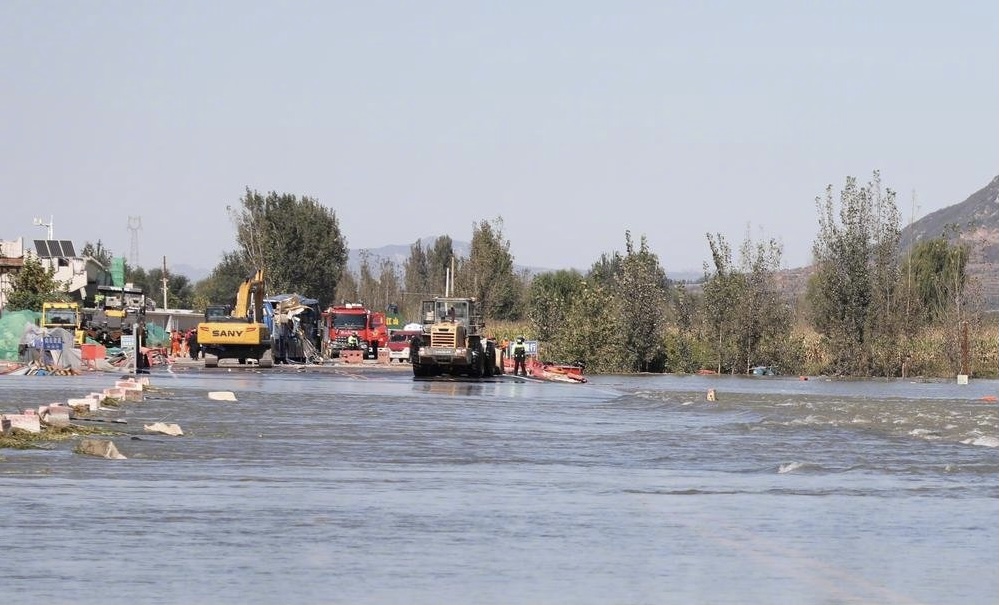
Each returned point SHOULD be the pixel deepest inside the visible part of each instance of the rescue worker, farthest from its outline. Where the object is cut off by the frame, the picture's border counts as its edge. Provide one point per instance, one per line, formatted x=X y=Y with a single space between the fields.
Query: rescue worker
x=520 y=356
x=192 y=344
x=141 y=360
x=175 y=344
x=353 y=343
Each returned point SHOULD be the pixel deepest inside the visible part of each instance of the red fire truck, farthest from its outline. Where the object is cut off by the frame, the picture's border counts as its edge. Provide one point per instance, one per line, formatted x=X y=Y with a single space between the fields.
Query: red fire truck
x=344 y=320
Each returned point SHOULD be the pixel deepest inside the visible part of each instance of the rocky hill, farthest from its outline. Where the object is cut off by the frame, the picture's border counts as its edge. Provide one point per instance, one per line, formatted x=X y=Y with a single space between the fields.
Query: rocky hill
x=973 y=222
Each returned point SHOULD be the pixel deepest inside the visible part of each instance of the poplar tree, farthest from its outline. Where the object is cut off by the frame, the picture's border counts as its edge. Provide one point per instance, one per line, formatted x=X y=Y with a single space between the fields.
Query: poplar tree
x=724 y=288
x=367 y=284
x=643 y=294
x=852 y=295
x=487 y=274
x=550 y=296
x=221 y=286
x=416 y=280
x=295 y=240
x=594 y=331
x=440 y=260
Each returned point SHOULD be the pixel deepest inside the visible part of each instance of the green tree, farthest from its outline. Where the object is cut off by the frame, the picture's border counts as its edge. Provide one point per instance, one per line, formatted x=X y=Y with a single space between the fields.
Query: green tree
x=942 y=297
x=721 y=287
x=33 y=285
x=937 y=272
x=685 y=349
x=749 y=320
x=764 y=314
x=606 y=269
x=180 y=290
x=139 y=278
x=416 y=280
x=377 y=291
x=852 y=293
x=488 y=275
x=98 y=252
x=367 y=284
x=594 y=332
x=295 y=240
x=390 y=289
x=347 y=290
x=550 y=296
x=440 y=260
x=221 y=286
x=643 y=293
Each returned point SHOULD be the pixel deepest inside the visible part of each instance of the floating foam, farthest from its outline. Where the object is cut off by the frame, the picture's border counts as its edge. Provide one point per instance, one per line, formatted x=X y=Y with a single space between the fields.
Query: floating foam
x=985 y=441
x=789 y=467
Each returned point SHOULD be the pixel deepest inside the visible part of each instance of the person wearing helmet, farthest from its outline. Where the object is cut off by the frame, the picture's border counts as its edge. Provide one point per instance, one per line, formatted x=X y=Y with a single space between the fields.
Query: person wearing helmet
x=520 y=357
x=352 y=341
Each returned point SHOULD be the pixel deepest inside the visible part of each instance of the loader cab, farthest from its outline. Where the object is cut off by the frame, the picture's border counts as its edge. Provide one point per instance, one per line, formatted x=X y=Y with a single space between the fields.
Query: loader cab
x=450 y=310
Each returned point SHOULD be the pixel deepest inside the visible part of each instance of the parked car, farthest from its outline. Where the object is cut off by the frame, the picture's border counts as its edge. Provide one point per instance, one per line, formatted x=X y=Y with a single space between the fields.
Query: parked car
x=398 y=344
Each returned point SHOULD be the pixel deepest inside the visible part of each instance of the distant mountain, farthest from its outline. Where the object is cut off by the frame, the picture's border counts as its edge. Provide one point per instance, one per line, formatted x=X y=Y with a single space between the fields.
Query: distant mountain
x=192 y=273
x=397 y=253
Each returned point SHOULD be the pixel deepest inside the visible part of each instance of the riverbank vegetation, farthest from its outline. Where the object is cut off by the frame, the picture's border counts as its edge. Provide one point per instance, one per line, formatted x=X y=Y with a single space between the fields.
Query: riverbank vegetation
x=865 y=307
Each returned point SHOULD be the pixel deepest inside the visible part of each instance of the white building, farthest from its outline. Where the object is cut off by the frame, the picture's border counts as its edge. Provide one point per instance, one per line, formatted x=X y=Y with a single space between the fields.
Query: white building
x=11 y=261
x=81 y=274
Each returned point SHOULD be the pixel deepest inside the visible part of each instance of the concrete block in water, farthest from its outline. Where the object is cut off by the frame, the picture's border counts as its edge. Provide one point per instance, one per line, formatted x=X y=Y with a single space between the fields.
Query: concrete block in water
x=100 y=448
x=90 y=402
x=134 y=394
x=31 y=423
x=164 y=428
x=56 y=415
x=130 y=390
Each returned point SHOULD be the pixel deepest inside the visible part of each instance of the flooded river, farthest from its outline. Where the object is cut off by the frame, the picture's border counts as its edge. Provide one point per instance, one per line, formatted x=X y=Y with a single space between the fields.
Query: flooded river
x=369 y=487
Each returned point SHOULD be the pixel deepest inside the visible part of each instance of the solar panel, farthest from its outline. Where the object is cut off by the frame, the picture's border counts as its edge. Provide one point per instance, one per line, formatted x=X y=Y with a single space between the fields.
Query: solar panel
x=42 y=248
x=55 y=248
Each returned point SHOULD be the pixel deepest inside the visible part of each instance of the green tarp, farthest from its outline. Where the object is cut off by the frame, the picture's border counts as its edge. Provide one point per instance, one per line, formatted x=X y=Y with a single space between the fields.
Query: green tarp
x=12 y=327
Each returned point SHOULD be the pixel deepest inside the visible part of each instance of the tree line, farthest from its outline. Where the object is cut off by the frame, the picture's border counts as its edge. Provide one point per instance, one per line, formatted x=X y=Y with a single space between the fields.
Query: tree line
x=868 y=309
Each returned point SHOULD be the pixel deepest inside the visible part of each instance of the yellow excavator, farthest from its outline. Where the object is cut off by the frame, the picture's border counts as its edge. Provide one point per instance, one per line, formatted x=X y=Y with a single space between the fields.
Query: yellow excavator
x=238 y=332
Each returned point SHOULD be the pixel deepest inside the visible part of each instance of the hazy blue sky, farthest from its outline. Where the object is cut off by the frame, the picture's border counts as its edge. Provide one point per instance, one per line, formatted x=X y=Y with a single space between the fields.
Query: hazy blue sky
x=572 y=120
